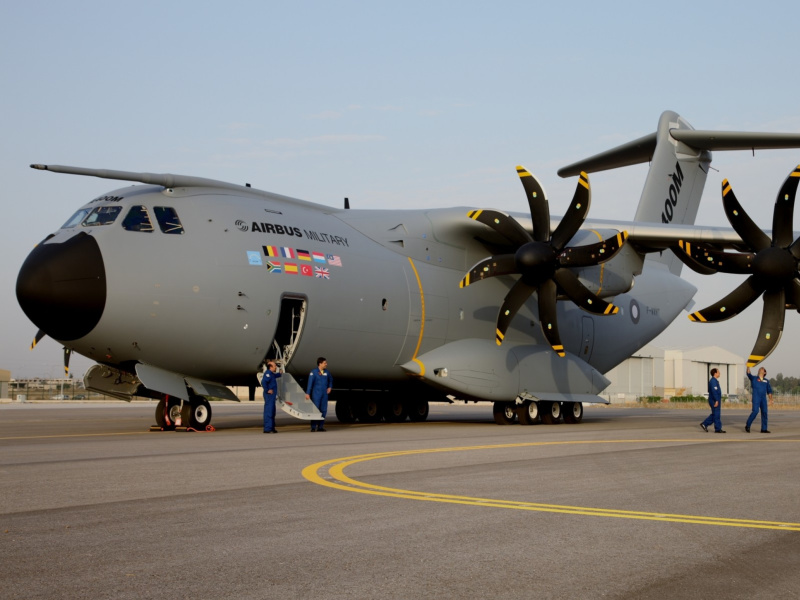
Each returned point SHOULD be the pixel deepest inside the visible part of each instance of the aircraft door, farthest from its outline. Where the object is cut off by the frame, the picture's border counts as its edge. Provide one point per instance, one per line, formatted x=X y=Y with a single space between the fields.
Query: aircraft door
x=587 y=338
x=289 y=330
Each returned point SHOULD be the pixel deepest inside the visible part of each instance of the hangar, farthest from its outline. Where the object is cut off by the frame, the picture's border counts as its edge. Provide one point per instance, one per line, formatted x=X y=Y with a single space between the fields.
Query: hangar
x=654 y=371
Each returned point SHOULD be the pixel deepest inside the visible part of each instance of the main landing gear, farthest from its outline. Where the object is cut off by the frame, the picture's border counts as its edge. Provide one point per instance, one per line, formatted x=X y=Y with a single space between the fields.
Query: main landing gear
x=394 y=410
x=530 y=412
x=196 y=413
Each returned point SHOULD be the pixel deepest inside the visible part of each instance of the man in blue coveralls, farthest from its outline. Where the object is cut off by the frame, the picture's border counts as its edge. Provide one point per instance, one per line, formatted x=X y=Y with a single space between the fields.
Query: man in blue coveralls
x=270 y=384
x=715 y=400
x=761 y=389
x=320 y=382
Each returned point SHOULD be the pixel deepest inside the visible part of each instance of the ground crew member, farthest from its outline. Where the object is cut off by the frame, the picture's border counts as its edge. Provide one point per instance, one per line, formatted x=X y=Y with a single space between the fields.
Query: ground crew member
x=715 y=401
x=761 y=389
x=320 y=382
x=270 y=384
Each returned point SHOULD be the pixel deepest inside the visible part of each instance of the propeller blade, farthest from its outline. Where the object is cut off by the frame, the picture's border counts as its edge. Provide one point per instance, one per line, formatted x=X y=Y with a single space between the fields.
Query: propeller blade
x=515 y=298
x=502 y=224
x=771 y=326
x=38 y=338
x=792 y=290
x=686 y=258
x=717 y=260
x=490 y=267
x=538 y=204
x=575 y=216
x=547 y=315
x=67 y=354
x=741 y=223
x=581 y=295
x=592 y=254
x=782 y=217
x=731 y=305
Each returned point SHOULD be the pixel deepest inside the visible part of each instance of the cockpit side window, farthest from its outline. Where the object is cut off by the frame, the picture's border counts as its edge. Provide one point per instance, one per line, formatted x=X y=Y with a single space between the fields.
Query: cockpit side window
x=168 y=219
x=75 y=219
x=102 y=215
x=137 y=219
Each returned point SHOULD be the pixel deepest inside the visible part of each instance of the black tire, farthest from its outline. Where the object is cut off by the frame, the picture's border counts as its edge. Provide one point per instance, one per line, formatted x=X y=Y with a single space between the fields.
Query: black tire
x=200 y=413
x=418 y=410
x=504 y=412
x=395 y=411
x=345 y=412
x=369 y=411
x=550 y=412
x=573 y=412
x=167 y=412
x=528 y=412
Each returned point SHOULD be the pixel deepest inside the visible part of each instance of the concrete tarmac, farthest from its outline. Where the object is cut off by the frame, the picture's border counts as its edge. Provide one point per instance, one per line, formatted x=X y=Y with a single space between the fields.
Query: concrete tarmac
x=631 y=503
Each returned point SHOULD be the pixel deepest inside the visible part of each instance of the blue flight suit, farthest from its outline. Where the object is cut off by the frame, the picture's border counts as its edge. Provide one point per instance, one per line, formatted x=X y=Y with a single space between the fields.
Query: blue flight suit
x=270 y=383
x=761 y=388
x=714 y=396
x=317 y=389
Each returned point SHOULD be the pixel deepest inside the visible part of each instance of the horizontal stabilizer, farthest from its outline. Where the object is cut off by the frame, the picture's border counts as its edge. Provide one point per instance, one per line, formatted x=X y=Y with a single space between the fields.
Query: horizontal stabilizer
x=641 y=150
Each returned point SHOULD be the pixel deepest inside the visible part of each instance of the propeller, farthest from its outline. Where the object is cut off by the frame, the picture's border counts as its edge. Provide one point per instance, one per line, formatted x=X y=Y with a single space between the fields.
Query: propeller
x=543 y=260
x=772 y=266
x=67 y=351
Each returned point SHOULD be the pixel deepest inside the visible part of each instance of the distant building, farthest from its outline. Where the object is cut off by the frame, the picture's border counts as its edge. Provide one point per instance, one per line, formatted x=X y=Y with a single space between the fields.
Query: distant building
x=677 y=372
x=5 y=378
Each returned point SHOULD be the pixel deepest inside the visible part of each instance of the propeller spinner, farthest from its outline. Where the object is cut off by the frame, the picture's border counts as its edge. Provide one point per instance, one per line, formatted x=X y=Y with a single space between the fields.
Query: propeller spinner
x=771 y=263
x=544 y=260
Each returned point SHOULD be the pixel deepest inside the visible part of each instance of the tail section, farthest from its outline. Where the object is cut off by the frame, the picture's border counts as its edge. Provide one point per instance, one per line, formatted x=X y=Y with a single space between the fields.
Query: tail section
x=680 y=157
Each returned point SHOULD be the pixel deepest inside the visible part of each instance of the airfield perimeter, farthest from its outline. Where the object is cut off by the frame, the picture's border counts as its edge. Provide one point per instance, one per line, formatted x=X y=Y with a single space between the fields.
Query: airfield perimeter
x=632 y=503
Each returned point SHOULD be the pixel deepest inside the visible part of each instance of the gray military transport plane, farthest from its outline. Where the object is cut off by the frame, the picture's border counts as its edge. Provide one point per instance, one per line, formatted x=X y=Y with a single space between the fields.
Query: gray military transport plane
x=182 y=286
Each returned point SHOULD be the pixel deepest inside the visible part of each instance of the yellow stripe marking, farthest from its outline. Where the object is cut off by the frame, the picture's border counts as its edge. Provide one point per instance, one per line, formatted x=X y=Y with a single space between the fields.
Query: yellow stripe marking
x=726 y=187
x=422 y=318
x=336 y=478
x=696 y=316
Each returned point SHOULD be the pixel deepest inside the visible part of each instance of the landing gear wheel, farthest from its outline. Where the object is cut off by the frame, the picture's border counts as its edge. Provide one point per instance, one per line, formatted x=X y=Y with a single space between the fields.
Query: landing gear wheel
x=573 y=412
x=345 y=411
x=168 y=411
x=528 y=412
x=551 y=412
x=395 y=411
x=369 y=411
x=200 y=413
x=418 y=410
x=504 y=412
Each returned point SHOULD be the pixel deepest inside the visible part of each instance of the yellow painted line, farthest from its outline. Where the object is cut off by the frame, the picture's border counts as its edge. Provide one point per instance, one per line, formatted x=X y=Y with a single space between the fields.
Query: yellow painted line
x=422 y=318
x=602 y=265
x=337 y=479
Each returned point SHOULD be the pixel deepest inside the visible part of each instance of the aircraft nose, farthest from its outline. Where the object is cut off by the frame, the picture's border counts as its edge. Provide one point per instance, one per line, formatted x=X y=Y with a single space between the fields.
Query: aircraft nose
x=62 y=287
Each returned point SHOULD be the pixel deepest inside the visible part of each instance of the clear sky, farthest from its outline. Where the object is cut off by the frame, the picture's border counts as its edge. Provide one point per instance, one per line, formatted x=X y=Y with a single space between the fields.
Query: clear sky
x=393 y=104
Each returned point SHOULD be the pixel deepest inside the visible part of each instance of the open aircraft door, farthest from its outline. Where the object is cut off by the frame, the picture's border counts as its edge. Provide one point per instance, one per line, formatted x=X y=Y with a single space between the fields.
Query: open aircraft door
x=291 y=397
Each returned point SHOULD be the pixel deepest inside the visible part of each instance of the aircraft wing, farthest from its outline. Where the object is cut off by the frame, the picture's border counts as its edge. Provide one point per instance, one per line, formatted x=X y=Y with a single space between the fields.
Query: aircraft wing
x=654 y=237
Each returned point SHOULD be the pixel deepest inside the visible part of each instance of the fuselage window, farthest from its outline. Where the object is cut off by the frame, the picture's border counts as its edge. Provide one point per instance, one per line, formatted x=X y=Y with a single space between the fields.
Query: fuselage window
x=102 y=215
x=168 y=219
x=137 y=219
x=76 y=218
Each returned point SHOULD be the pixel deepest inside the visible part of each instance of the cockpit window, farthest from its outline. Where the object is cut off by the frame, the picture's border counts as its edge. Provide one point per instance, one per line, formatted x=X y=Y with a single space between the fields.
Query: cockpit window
x=102 y=215
x=75 y=219
x=137 y=219
x=168 y=219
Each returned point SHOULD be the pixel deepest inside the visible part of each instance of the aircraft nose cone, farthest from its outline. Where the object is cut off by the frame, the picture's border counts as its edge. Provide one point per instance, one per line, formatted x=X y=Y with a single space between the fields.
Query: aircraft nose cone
x=62 y=287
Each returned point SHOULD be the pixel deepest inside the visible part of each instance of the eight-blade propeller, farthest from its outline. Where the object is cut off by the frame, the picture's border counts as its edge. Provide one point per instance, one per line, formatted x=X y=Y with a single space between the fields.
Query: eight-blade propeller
x=67 y=351
x=544 y=260
x=771 y=263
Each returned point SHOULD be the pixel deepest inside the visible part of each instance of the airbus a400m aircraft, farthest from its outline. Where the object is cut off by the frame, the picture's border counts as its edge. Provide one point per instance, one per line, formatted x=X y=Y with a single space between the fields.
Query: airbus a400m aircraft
x=181 y=286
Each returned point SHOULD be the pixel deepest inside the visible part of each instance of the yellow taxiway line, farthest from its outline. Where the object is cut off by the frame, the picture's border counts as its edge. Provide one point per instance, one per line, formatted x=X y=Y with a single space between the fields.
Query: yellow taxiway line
x=330 y=473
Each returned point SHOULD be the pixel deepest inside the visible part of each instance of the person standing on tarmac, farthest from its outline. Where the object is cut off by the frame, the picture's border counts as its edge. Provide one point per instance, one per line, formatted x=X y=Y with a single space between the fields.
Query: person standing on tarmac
x=270 y=384
x=320 y=382
x=715 y=400
x=761 y=389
